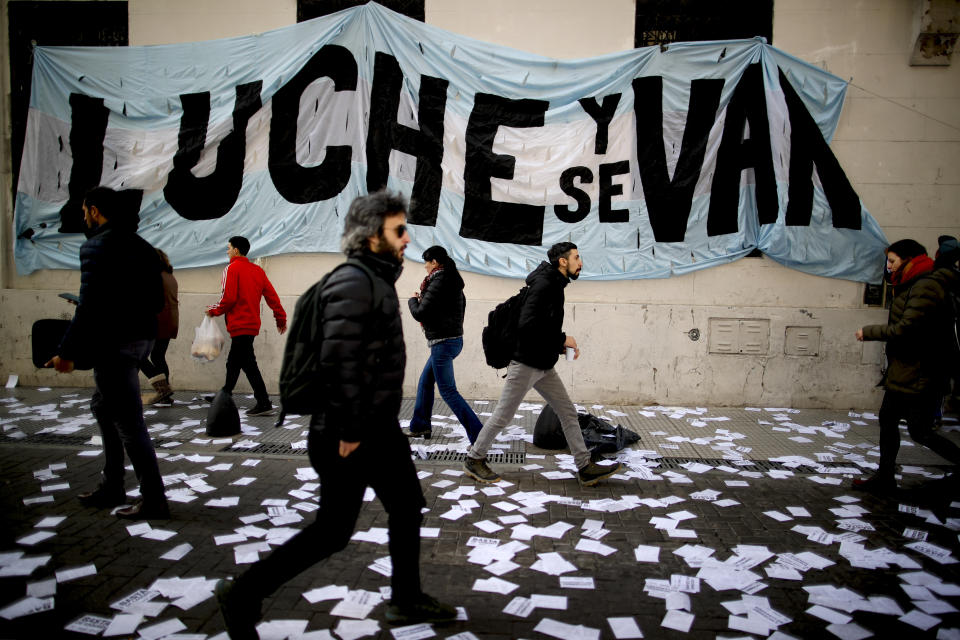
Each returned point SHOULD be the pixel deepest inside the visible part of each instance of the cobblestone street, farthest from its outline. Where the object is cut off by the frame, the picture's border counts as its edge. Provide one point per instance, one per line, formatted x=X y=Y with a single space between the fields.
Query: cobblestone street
x=729 y=523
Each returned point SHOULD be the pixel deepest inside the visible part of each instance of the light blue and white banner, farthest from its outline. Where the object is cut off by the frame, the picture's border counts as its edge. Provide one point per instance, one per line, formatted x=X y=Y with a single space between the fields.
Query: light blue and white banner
x=654 y=162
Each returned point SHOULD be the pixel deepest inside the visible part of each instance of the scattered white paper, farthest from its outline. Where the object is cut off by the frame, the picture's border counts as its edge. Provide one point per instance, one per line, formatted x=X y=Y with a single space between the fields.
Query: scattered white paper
x=494 y=585
x=178 y=552
x=624 y=628
x=123 y=624
x=565 y=631
x=677 y=620
x=89 y=624
x=74 y=573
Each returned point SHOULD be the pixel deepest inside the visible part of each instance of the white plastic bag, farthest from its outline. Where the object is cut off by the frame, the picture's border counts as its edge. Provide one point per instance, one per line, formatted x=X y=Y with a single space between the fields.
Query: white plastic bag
x=208 y=341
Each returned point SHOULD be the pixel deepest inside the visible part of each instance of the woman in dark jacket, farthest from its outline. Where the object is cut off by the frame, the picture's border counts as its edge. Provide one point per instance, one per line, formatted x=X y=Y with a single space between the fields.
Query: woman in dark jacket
x=168 y=324
x=439 y=306
x=917 y=374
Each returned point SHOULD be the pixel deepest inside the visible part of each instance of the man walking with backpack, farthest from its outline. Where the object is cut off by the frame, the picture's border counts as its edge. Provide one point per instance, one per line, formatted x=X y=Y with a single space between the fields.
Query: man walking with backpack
x=114 y=327
x=355 y=439
x=540 y=340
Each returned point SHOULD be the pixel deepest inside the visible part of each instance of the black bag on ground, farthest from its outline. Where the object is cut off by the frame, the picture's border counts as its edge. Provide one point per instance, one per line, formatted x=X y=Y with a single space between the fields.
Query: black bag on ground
x=301 y=376
x=600 y=436
x=223 y=418
x=499 y=337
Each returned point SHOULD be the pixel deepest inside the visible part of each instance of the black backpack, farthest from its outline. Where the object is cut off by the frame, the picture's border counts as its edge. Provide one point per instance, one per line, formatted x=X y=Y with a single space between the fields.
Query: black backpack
x=952 y=350
x=301 y=376
x=950 y=336
x=499 y=337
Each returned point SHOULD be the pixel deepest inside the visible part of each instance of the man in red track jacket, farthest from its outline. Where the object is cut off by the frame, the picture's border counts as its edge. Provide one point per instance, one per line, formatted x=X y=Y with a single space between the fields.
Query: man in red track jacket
x=243 y=285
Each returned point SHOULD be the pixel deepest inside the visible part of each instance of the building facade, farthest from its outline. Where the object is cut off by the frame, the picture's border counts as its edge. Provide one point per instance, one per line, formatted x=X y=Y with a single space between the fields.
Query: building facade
x=748 y=333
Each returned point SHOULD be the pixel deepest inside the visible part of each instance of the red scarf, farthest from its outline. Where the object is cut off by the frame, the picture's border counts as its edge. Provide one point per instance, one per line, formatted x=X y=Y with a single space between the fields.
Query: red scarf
x=423 y=285
x=915 y=267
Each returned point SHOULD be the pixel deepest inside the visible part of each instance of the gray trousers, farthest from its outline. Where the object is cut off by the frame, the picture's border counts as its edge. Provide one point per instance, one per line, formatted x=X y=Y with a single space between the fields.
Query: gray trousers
x=520 y=379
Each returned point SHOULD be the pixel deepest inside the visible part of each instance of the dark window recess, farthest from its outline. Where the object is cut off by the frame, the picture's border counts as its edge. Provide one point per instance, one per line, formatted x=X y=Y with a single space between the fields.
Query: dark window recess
x=873 y=295
x=309 y=9
x=53 y=24
x=665 y=21
x=888 y=295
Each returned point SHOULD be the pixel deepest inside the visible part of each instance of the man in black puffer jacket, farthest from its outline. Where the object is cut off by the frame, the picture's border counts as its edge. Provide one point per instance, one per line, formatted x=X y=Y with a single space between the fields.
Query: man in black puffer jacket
x=357 y=441
x=114 y=326
x=540 y=340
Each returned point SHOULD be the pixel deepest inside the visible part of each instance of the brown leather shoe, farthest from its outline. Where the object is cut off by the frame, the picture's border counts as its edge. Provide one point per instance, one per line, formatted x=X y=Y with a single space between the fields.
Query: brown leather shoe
x=145 y=511
x=876 y=484
x=102 y=497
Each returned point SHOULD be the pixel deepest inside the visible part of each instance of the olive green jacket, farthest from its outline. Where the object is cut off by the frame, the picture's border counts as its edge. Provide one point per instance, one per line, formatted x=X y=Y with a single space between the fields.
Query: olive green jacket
x=916 y=333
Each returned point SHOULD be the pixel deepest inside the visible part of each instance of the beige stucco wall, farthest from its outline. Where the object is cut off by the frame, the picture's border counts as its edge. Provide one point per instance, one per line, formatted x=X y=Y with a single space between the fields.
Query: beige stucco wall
x=634 y=334
x=169 y=21
x=899 y=137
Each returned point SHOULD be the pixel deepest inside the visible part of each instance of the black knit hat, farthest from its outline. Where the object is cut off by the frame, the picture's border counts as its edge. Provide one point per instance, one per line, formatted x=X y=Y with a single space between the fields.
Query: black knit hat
x=907 y=249
x=948 y=253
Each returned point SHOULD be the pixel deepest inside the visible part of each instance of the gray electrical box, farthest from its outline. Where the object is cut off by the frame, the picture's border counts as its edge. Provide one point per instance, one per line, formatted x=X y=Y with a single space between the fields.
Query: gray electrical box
x=737 y=335
x=802 y=341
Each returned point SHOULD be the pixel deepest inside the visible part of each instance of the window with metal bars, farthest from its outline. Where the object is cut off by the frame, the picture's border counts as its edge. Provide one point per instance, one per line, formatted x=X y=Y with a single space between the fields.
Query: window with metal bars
x=309 y=9
x=660 y=22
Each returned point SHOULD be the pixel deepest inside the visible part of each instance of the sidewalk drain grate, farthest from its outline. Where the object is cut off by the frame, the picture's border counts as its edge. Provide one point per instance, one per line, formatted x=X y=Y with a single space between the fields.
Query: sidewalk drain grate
x=676 y=462
x=71 y=440
x=507 y=457
x=50 y=438
x=270 y=448
x=764 y=465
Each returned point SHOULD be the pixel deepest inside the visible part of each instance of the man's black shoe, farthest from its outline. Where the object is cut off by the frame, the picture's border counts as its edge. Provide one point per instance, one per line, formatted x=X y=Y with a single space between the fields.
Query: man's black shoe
x=142 y=510
x=424 y=609
x=102 y=498
x=426 y=434
x=240 y=618
x=260 y=410
x=209 y=397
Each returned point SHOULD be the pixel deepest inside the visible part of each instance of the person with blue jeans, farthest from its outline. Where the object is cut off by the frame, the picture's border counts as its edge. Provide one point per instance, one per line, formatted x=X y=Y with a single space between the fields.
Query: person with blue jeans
x=439 y=306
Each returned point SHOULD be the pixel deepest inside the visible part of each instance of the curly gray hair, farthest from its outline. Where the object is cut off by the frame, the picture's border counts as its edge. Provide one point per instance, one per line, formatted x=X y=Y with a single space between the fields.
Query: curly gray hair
x=365 y=218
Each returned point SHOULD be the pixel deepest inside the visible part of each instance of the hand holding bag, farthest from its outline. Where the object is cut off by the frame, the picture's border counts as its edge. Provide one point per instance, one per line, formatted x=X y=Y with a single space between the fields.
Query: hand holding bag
x=208 y=341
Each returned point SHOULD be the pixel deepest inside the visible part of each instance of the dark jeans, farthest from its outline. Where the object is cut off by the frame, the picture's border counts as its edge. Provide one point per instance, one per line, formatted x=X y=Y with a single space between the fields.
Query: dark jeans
x=157 y=362
x=116 y=406
x=439 y=370
x=920 y=411
x=242 y=358
x=383 y=463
